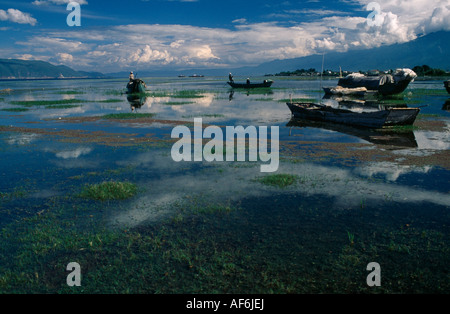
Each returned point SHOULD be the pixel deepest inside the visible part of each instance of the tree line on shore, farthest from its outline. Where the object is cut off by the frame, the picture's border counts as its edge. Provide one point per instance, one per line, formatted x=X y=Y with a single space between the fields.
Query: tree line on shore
x=421 y=70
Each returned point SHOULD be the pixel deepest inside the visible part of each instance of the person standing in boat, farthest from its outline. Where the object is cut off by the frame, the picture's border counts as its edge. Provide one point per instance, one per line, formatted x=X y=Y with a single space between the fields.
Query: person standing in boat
x=131 y=76
x=230 y=77
x=248 y=81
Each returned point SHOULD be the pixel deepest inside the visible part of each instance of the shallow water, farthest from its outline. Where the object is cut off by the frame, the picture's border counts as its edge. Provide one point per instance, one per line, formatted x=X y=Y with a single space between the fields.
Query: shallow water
x=364 y=182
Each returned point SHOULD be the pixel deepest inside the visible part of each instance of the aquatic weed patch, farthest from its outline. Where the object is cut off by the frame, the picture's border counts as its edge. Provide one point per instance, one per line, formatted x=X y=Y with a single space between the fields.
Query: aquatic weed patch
x=278 y=180
x=267 y=246
x=188 y=94
x=62 y=106
x=427 y=91
x=15 y=109
x=31 y=103
x=109 y=190
x=109 y=100
x=178 y=103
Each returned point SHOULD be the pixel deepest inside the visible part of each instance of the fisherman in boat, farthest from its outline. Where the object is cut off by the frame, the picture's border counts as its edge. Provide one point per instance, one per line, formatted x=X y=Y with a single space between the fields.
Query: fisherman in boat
x=230 y=77
x=131 y=76
x=248 y=81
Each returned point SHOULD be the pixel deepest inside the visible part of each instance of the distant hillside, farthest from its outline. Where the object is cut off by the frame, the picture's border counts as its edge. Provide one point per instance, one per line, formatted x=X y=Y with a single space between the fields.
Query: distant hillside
x=26 y=69
x=432 y=50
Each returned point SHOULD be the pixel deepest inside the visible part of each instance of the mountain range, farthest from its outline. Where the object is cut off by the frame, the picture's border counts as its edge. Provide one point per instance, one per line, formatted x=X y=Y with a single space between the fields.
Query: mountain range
x=432 y=50
x=30 y=69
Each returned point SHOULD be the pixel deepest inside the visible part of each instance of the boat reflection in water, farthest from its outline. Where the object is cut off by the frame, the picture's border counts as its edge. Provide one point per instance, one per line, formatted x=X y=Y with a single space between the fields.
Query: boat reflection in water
x=136 y=101
x=446 y=106
x=403 y=139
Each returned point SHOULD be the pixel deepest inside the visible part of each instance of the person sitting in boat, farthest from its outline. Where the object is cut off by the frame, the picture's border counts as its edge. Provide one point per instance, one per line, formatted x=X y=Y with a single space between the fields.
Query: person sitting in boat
x=131 y=76
x=248 y=81
x=230 y=77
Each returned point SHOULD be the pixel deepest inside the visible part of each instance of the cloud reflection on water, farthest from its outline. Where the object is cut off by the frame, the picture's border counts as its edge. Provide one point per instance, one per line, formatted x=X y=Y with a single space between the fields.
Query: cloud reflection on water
x=230 y=182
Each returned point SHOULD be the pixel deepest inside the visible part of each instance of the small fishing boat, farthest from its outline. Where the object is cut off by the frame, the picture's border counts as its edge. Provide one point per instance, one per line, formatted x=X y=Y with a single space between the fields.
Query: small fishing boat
x=401 y=116
x=370 y=119
x=447 y=86
x=342 y=91
x=136 y=86
x=266 y=83
x=385 y=84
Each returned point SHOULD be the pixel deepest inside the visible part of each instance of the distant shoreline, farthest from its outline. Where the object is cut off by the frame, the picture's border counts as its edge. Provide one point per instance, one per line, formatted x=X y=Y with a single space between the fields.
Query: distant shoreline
x=53 y=79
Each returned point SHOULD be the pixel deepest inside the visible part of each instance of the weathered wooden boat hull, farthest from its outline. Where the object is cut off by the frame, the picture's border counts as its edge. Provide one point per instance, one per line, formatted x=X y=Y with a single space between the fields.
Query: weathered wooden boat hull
x=447 y=86
x=373 y=84
x=384 y=84
x=251 y=85
x=136 y=86
x=401 y=116
x=371 y=119
x=310 y=111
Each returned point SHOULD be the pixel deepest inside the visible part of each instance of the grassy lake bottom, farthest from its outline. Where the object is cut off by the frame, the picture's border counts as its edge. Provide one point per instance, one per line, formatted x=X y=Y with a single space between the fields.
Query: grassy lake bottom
x=88 y=177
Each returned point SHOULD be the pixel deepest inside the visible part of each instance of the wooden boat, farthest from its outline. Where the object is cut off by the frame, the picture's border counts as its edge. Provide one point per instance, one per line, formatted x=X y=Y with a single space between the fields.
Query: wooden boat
x=266 y=83
x=136 y=86
x=401 y=116
x=342 y=91
x=370 y=119
x=384 y=84
x=447 y=86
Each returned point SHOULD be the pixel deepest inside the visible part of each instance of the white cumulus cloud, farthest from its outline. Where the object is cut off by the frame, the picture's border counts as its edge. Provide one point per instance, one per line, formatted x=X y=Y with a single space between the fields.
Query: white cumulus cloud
x=17 y=16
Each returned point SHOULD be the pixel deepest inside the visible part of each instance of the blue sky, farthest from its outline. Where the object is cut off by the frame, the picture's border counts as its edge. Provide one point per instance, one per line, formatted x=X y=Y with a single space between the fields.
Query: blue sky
x=182 y=34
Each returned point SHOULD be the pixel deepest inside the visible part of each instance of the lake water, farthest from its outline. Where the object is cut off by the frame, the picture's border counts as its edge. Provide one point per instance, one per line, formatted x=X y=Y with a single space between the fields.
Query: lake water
x=358 y=196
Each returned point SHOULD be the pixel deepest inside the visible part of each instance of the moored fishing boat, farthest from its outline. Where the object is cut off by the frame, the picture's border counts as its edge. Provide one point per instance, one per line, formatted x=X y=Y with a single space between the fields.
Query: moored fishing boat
x=317 y=112
x=136 y=86
x=266 y=83
x=371 y=119
x=401 y=116
x=386 y=84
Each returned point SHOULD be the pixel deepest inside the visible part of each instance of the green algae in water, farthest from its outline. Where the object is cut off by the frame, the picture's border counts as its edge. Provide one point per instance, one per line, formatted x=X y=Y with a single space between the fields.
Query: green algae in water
x=62 y=106
x=15 y=109
x=109 y=101
x=30 y=103
x=178 y=103
x=188 y=94
x=278 y=180
x=110 y=190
